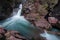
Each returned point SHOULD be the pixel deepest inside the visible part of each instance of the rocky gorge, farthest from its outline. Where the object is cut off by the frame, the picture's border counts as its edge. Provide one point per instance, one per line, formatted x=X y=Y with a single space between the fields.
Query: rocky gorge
x=42 y=14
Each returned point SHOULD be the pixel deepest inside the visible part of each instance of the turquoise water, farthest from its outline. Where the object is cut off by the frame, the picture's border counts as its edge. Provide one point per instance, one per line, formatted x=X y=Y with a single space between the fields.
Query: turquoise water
x=22 y=25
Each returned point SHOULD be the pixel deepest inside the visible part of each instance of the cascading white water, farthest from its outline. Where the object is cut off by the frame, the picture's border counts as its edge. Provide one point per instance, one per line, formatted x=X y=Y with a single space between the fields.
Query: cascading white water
x=49 y=36
x=15 y=16
x=20 y=10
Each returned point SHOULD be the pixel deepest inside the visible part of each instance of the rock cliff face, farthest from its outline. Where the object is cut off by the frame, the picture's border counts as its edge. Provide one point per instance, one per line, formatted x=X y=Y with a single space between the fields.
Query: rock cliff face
x=6 y=8
x=56 y=13
x=10 y=35
x=36 y=13
x=34 y=9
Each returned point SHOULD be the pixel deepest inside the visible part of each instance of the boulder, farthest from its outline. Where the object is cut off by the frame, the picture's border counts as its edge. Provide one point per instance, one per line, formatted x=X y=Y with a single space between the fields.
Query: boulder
x=42 y=23
x=52 y=20
x=2 y=33
x=14 y=35
x=10 y=35
x=38 y=21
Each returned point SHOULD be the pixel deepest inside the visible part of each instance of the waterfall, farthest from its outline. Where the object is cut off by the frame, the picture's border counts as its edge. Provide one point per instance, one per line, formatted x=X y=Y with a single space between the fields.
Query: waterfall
x=19 y=23
x=20 y=10
x=49 y=36
x=14 y=17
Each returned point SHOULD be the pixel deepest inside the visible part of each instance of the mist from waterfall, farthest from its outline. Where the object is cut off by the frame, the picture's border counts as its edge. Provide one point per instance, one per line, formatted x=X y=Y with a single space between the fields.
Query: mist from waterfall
x=49 y=36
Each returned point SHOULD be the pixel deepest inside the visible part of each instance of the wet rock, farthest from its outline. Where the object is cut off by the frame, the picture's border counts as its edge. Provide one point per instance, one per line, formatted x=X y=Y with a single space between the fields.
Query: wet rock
x=13 y=38
x=53 y=32
x=38 y=21
x=14 y=35
x=10 y=35
x=39 y=38
x=2 y=33
x=2 y=37
x=52 y=20
x=42 y=23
